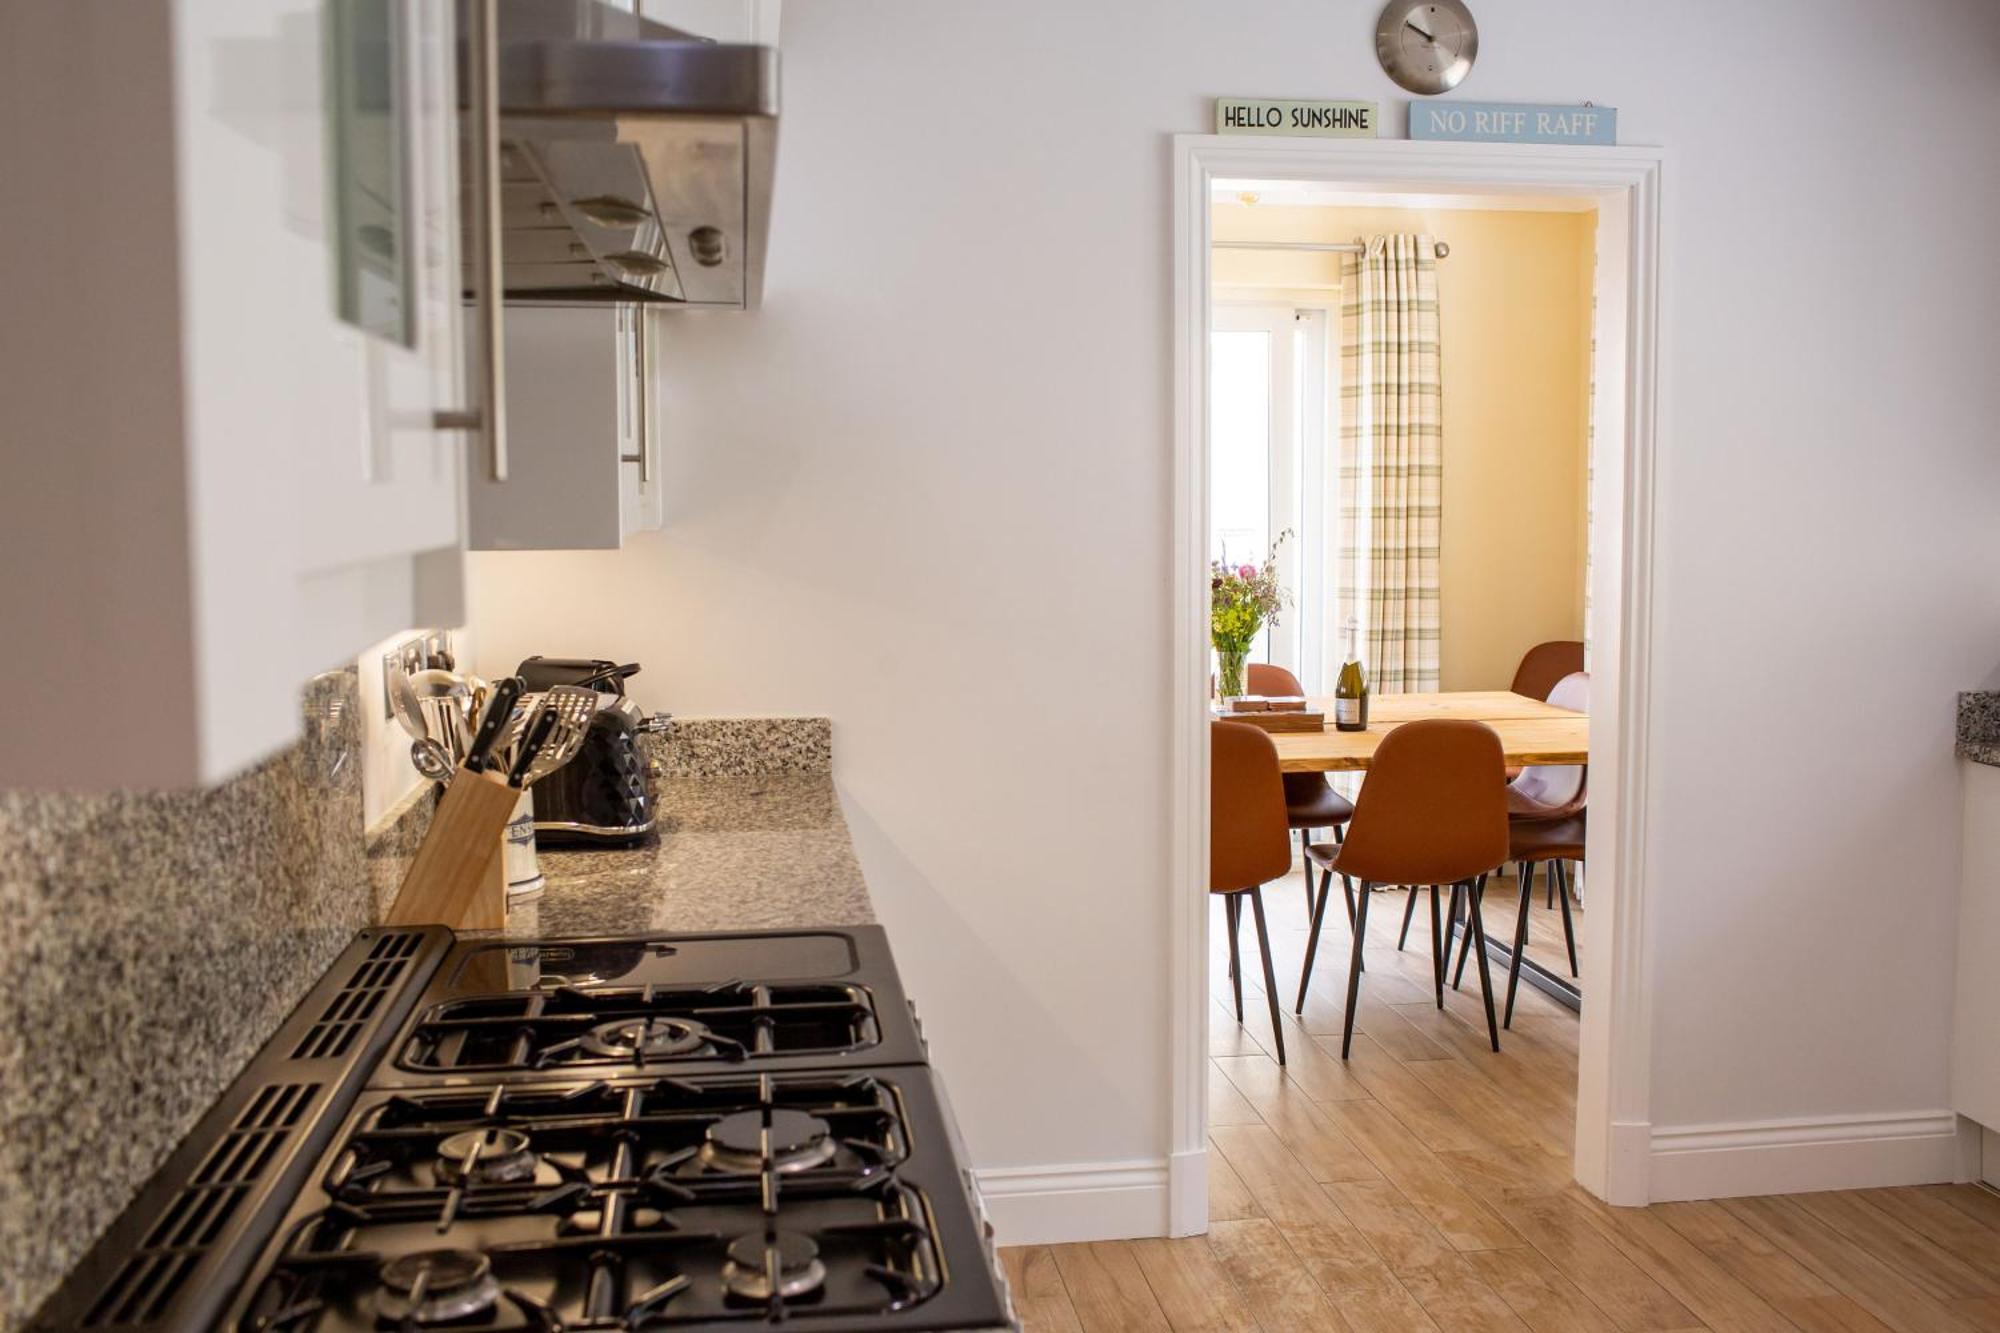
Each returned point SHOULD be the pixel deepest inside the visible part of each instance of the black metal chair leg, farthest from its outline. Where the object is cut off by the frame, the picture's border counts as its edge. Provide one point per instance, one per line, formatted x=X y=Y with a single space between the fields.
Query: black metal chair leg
x=1354 y=971
x=1409 y=911
x=1229 y=920
x=1520 y=947
x=1312 y=937
x=1476 y=901
x=1454 y=912
x=1233 y=909
x=1438 y=945
x=1485 y=973
x=1561 y=878
x=1305 y=841
x=1271 y=981
x=1347 y=890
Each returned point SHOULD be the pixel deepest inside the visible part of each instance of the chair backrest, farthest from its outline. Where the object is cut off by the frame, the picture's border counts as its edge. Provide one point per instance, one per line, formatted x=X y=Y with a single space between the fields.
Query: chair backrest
x=1274 y=681
x=1561 y=786
x=1433 y=809
x=1545 y=664
x=1249 y=842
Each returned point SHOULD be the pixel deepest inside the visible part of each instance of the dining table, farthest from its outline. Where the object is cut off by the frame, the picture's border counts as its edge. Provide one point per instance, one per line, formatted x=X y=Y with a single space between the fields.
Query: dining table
x=1530 y=730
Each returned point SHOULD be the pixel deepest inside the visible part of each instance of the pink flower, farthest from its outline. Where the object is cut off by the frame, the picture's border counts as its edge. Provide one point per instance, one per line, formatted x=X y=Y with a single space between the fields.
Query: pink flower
x=1246 y=571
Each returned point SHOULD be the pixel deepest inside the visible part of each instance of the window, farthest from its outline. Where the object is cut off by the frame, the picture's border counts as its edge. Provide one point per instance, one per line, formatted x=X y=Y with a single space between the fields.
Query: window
x=1270 y=468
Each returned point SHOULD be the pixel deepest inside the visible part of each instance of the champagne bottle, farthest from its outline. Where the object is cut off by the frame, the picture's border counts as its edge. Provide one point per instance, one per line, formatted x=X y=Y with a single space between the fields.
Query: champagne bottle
x=1350 y=688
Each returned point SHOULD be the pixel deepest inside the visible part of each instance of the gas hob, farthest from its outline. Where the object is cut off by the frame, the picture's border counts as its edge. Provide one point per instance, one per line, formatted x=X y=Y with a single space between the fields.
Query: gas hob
x=684 y=1132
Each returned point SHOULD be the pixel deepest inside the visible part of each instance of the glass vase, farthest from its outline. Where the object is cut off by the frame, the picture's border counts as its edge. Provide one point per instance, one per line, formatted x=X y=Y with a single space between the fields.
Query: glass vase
x=1229 y=668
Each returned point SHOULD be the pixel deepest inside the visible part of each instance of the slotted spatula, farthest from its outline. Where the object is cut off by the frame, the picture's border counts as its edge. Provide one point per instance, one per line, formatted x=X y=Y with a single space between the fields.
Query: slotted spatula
x=573 y=707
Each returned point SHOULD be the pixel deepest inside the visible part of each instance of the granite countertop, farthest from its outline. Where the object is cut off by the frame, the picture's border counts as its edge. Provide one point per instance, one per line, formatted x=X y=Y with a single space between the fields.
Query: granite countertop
x=730 y=853
x=1979 y=726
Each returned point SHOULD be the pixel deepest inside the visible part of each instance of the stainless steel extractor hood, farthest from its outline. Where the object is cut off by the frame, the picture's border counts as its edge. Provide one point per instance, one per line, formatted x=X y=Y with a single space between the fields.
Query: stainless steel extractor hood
x=635 y=161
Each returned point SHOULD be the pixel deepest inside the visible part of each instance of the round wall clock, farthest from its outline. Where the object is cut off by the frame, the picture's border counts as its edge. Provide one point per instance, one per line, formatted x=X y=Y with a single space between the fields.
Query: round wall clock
x=1426 y=46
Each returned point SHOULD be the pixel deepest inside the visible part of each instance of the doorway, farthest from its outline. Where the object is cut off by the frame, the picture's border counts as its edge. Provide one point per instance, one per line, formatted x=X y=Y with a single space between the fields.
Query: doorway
x=1612 y=1136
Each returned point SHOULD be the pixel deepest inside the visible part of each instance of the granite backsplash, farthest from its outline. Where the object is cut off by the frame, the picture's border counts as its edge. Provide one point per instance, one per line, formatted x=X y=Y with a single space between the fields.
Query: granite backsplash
x=692 y=747
x=743 y=747
x=152 y=942
x=1979 y=726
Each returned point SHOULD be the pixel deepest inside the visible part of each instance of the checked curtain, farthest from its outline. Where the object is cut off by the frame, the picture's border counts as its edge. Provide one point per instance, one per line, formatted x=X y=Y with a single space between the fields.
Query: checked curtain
x=1391 y=459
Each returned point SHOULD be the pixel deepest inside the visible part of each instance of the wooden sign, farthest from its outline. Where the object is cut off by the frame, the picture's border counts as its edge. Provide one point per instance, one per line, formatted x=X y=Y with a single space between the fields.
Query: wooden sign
x=1271 y=115
x=1513 y=122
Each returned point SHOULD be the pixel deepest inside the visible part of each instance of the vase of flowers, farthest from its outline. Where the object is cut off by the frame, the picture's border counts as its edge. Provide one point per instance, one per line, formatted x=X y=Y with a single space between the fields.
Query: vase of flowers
x=1243 y=599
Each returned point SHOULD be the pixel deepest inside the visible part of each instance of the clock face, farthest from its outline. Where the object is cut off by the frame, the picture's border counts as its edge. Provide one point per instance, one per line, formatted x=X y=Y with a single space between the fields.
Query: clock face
x=1426 y=46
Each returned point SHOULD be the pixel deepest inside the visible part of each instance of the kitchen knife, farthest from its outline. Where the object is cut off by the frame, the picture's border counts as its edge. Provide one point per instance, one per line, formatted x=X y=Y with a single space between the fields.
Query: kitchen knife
x=499 y=709
x=531 y=745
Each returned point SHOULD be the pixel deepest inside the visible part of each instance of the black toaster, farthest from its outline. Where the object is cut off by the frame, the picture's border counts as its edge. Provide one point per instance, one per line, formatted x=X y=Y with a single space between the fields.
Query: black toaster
x=603 y=796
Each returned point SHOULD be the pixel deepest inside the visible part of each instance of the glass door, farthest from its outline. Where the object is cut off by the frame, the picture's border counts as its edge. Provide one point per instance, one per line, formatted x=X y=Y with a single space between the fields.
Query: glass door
x=1269 y=468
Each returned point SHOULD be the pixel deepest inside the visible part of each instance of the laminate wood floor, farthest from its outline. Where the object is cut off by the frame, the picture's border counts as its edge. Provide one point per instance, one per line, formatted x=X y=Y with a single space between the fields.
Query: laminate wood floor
x=1425 y=1184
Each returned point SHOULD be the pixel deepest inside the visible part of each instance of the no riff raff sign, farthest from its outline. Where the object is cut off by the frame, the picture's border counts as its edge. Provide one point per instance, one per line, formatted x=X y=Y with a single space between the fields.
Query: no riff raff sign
x=1265 y=115
x=1513 y=122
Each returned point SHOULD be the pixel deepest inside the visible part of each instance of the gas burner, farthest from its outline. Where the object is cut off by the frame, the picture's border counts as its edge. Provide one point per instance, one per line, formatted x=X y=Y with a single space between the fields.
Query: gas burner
x=798 y=1142
x=436 y=1287
x=748 y=1273
x=646 y=1038
x=486 y=1157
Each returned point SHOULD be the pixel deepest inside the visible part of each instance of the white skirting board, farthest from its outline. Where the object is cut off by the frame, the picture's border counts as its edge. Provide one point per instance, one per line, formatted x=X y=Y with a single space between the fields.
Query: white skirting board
x=1052 y=1205
x=1799 y=1156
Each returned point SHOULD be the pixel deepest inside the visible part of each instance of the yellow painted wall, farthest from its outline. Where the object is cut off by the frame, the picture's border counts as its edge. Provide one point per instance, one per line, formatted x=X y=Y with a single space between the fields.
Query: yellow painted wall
x=1514 y=314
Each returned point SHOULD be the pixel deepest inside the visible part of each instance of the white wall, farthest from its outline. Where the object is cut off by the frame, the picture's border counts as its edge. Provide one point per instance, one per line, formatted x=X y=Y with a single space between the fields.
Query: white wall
x=926 y=491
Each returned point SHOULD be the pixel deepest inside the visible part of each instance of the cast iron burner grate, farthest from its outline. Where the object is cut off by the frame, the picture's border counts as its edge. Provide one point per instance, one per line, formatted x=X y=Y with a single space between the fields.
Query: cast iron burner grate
x=643 y=1026
x=646 y=1250
x=700 y=1136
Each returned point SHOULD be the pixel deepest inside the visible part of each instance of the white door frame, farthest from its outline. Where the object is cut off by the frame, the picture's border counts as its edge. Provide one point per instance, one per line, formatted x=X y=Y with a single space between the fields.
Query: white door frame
x=1613 y=1129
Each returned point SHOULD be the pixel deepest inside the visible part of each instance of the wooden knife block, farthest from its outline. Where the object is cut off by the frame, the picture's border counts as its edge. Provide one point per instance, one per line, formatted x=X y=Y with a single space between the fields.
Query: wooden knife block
x=459 y=876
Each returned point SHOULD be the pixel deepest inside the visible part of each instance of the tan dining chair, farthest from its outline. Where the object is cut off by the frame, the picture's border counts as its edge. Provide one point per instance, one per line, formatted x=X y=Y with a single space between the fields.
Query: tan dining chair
x=1541 y=667
x=1540 y=794
x=1248 y=843
x=1552 y=793
x=1433 y=812
x=1532 y=843
x=1310 y=800
x=1545 y=664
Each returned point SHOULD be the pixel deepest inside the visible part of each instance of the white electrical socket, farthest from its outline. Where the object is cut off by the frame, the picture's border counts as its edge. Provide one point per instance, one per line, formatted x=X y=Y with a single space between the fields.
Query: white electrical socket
x=409 y=657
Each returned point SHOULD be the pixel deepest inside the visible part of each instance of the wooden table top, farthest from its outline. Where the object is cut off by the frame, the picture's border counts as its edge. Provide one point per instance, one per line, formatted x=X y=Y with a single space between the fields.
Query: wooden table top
x=1531 y=732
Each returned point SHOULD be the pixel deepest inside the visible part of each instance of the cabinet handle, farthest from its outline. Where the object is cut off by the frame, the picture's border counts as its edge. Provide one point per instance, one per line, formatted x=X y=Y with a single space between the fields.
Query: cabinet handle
x=483 y=66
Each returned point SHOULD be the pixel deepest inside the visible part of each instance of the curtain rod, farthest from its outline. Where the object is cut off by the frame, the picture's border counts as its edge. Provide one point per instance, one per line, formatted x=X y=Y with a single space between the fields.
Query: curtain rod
x=1332 y=247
